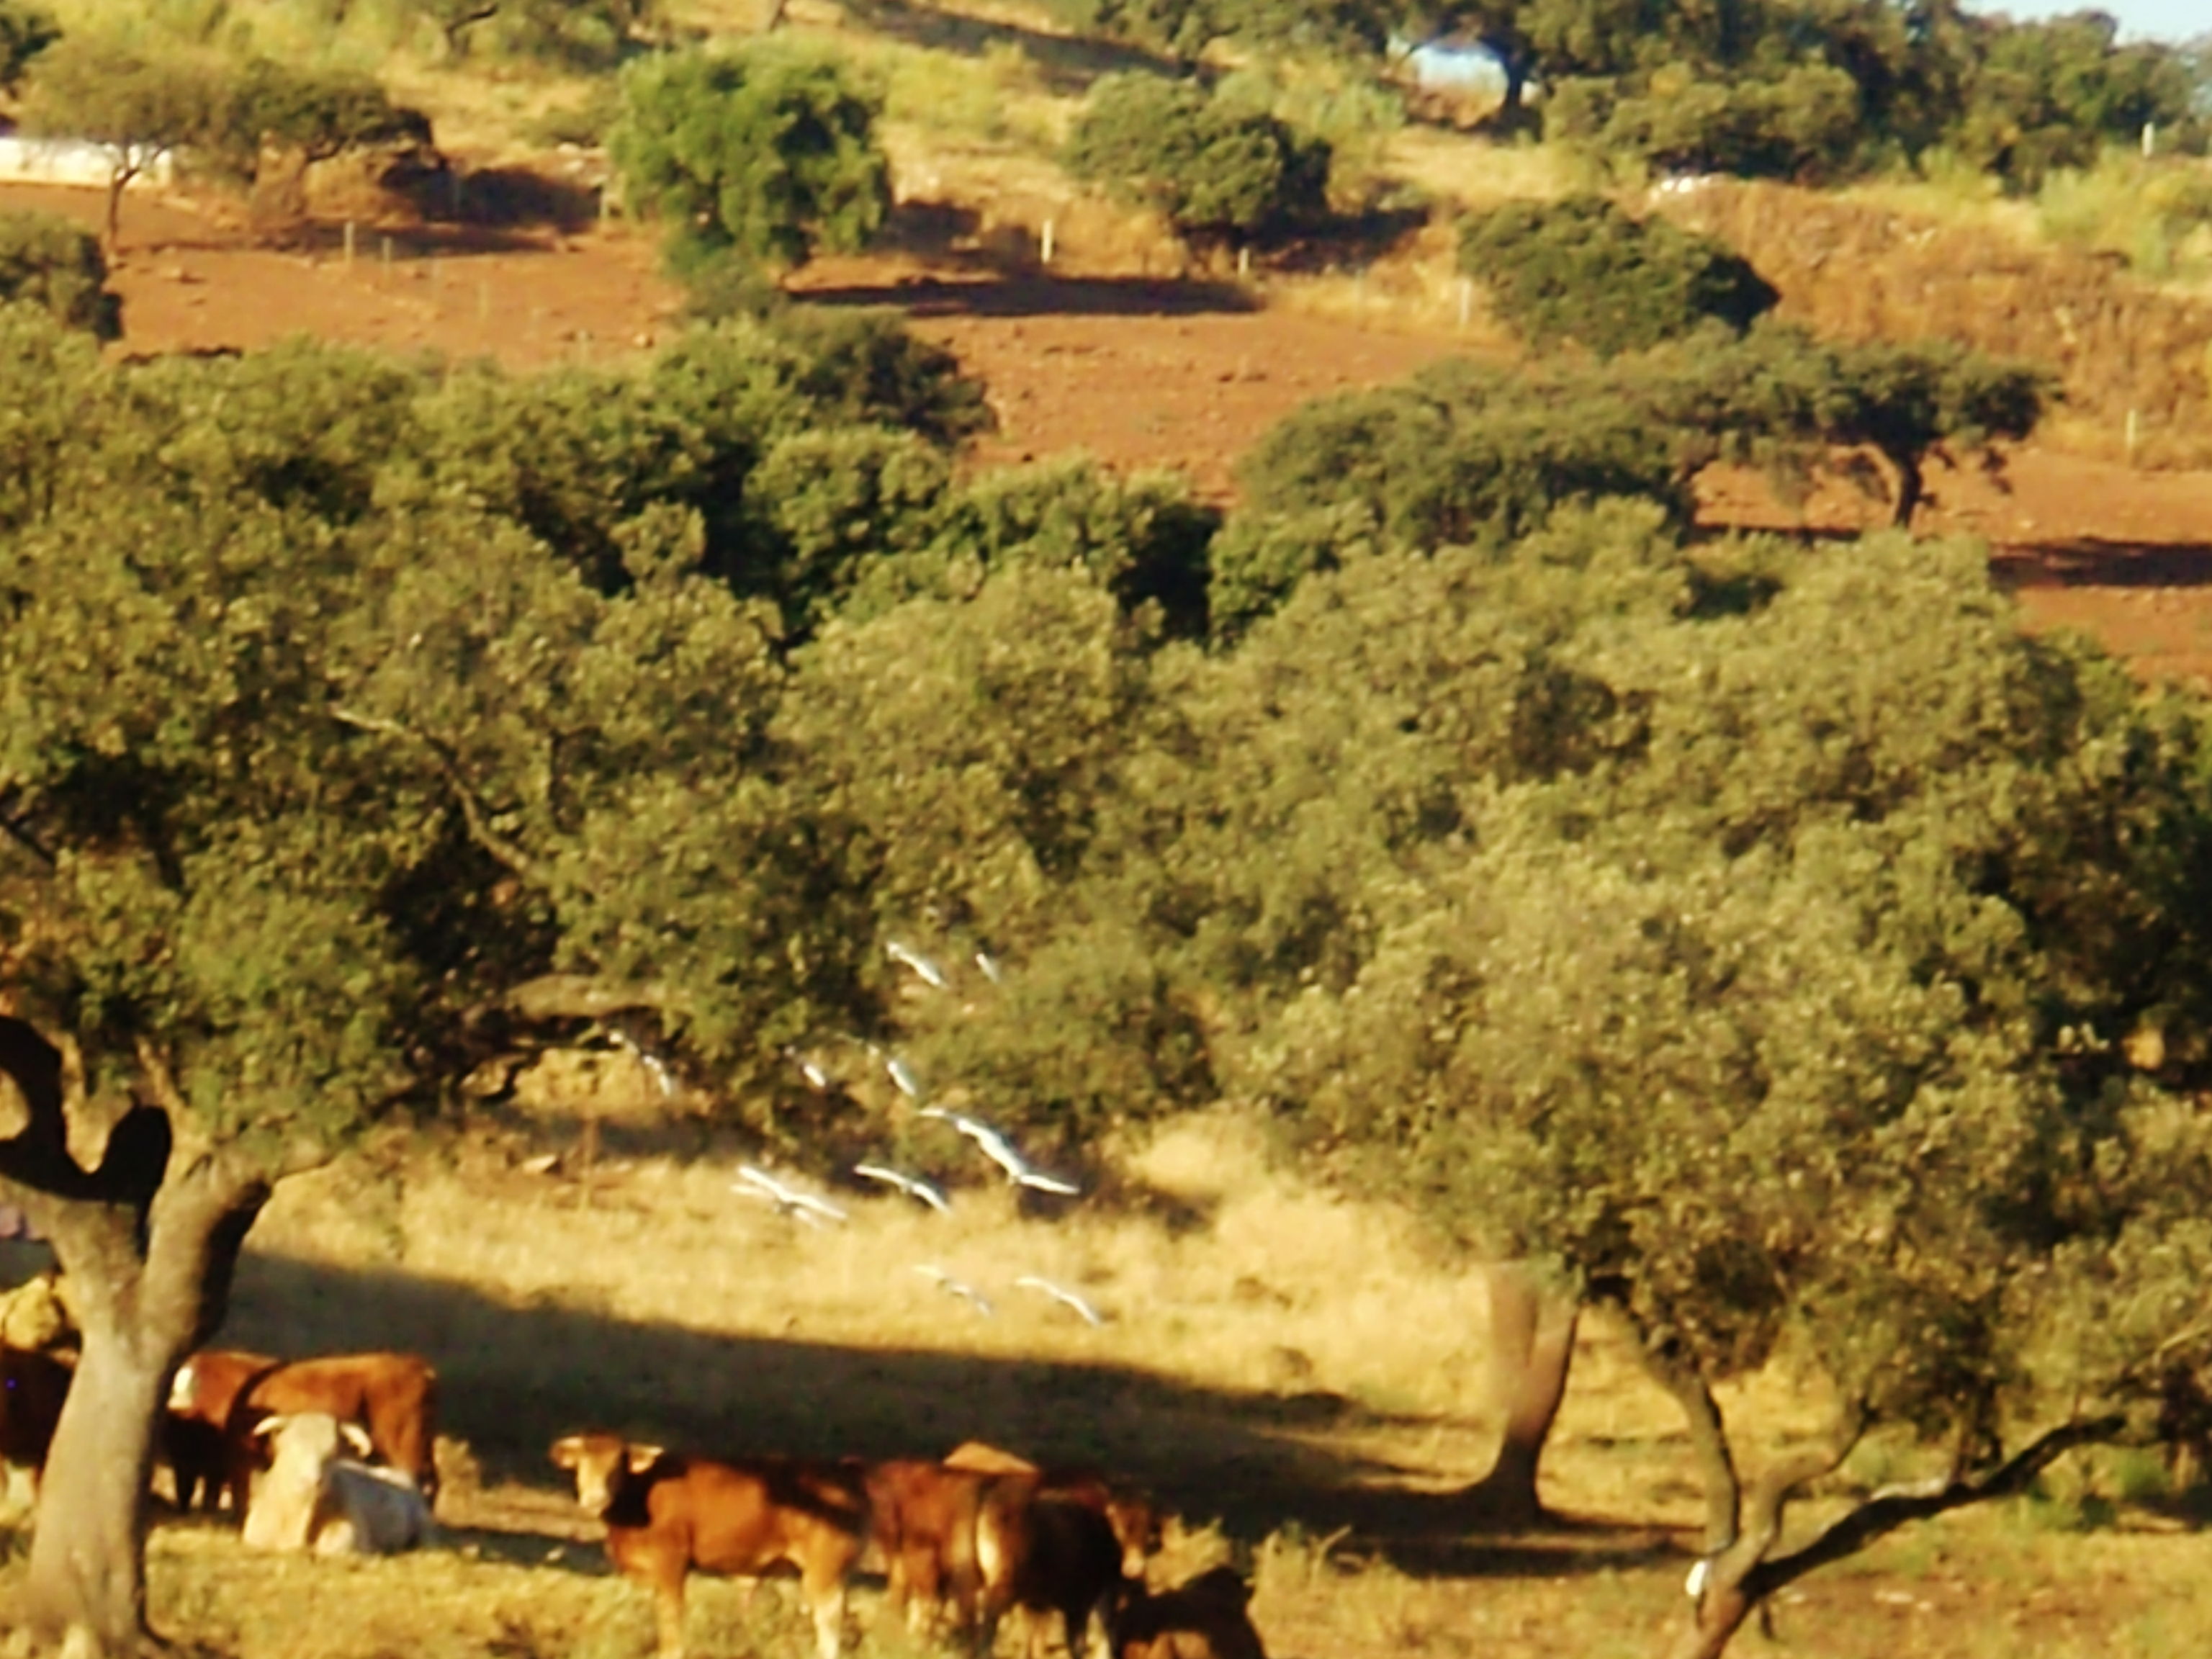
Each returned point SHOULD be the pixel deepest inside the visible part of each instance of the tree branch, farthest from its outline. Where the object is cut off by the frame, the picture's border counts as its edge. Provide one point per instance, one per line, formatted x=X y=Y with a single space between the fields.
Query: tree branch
x=473 y=810
x=579 y=996
x=1893 y=1507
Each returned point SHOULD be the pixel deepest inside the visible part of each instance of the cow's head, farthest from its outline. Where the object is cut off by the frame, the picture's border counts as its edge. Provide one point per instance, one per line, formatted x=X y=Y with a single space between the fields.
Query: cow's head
x=1136 y=1526
x=601 y=1462
x=301 y=1445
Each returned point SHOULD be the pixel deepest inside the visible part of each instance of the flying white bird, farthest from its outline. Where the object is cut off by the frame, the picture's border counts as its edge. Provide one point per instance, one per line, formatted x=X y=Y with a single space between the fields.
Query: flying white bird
x=960 y=1288
x=811 y=1070
x=912 y=1186
x=902 y=1074
x=802 y=1206
x=1000 y=1151
x=989 y=965
x=1090 y=1314
x=645 y=1057
x=930 y=972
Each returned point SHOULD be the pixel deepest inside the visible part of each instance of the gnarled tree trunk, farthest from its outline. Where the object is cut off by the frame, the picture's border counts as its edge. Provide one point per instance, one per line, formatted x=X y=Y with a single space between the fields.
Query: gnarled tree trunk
x=1532 y=1343
x=148 y=1238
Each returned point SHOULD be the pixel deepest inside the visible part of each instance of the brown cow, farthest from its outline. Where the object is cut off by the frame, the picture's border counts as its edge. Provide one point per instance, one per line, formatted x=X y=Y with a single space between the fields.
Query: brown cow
x=1205 y=1619
x=666 y=1514
x=392 y=1396
x=921 y=1519
x=1135 y=1521
x=32 y=1387
x=1045 y=1552
x=193 y=1440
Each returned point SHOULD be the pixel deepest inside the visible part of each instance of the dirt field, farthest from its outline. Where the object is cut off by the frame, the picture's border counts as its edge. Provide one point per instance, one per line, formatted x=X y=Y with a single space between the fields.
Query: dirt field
x=1139 y=373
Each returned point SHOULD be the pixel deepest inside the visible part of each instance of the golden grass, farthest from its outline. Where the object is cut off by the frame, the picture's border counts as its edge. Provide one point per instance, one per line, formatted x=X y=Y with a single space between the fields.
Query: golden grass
x=1302 y=1372
x=1467 y=171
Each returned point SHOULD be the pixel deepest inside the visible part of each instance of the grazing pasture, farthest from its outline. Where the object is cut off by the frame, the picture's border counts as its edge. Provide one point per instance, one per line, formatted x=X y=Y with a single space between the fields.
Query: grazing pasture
x=1299 y=1378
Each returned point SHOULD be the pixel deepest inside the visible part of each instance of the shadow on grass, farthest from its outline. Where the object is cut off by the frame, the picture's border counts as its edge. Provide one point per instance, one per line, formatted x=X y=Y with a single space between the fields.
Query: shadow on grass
x=514 y=1378
x=2094 y=562
x=1042 y=296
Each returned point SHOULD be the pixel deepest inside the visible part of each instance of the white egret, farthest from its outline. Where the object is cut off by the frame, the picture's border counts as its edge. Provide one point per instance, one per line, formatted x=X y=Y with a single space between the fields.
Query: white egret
x=1000 y=1151
x=958 y=1287
x=1061 y=1294
x=802 y=1206
x=930 y=972
x=912 y=1186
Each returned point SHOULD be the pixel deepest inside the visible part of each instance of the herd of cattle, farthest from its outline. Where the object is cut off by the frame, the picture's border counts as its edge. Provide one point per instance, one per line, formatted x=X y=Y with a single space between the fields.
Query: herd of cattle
x=334 y=1454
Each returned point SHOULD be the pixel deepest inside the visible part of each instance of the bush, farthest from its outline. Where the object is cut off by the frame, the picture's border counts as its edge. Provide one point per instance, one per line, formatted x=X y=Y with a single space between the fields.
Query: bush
x=1805 y=125
x=1216 y=171
x=1583 y=270
x=47 y=261
x=1459 y=454
x=769 y=154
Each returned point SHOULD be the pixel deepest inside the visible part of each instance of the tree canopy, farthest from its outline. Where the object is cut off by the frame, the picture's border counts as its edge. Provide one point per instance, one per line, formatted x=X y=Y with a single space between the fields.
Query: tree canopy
x=49 y=261
x=768 y=153
x=1584 y=269
x=25 y=30
x=1216 y=171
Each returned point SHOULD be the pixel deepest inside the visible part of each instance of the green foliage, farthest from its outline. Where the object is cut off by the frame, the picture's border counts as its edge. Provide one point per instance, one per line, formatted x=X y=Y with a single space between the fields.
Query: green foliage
x=138 y=107
x=1464 y=453
x=1333 y=107
x=318 y=113
x=585 y=35
x=1583 y=269
x=1805 y=122
x=1467 y=453
x=1214 y=168
x=768 y=153
x=2052 y=94
x=1730 y=1009
x=25 y=30
x=2155 y=214
x=50 y=261
x=1142 y=539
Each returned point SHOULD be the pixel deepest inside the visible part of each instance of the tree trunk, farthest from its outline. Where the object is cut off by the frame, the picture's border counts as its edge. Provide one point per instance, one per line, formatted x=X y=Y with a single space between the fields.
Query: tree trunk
x=147 y=1232
x=1911 y=486
x=1716 y=1471
x=140 y=1314
x=86 y=1556
x=117 y=181
x=1532 y=1345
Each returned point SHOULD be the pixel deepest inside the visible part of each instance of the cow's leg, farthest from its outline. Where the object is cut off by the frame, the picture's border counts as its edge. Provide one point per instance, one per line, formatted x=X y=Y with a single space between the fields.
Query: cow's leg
x=668 y=1609
x=825 y=1595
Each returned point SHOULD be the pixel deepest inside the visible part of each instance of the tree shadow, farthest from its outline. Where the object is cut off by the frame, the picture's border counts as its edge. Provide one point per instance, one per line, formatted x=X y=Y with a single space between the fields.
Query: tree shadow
x=2095 y=561
x=1067 y=63
x=513 y=1377
x=1018 y=296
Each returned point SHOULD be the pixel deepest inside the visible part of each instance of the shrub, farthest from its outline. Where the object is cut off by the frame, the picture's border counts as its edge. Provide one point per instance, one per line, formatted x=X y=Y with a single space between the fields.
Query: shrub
x=47 y=261
x=1804 y=124
x=768 y=153
x=1583 y=269
x=1218 y=171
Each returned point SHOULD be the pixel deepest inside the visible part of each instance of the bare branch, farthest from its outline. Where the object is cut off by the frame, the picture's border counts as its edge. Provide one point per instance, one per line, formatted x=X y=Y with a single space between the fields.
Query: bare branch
x=473 y=810
x=579 y=996
x=1890 y=1509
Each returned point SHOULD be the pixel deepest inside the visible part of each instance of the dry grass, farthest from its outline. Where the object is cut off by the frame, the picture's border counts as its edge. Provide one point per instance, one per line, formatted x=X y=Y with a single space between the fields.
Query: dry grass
x=1467 y=171
x=1301 y=1373
x=2135 y=362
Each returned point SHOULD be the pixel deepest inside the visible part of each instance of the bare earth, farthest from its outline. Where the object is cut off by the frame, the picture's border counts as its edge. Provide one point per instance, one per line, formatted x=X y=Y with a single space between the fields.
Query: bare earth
x=1137 y=373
